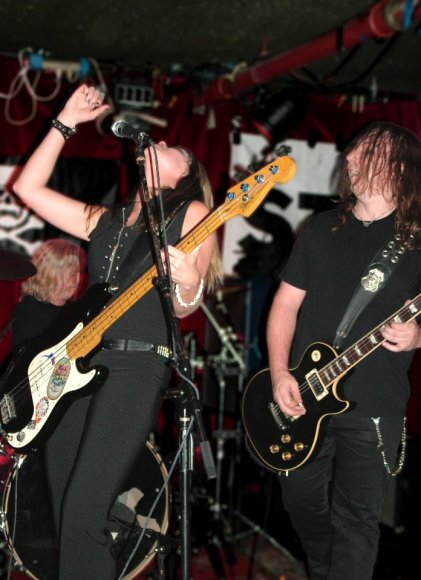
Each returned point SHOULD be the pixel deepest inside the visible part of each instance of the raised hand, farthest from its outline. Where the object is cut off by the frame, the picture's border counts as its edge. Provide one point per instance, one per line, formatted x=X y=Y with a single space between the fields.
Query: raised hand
x=85 y=104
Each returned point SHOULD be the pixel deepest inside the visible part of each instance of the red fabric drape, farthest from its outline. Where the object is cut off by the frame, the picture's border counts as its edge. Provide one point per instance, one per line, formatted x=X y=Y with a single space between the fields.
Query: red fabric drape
x=18 y=140
x=344 y=116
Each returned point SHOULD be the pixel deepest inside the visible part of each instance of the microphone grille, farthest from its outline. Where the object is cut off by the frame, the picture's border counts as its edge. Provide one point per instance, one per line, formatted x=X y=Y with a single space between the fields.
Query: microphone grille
x=118 y=127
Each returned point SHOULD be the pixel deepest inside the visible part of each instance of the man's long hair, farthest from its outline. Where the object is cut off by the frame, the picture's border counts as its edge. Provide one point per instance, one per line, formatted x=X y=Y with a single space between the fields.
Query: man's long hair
x=395 y=153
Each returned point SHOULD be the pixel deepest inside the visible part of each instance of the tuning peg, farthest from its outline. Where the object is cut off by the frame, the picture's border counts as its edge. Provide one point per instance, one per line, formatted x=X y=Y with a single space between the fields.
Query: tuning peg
x=283 y=150
x=239 y=176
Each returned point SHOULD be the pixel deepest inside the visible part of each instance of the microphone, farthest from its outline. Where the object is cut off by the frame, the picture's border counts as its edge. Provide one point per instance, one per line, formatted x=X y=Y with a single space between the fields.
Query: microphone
x=124 y=130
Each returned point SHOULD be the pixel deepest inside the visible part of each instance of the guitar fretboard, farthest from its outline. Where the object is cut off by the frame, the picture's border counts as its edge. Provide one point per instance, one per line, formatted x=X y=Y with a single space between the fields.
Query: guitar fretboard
x=367 y=344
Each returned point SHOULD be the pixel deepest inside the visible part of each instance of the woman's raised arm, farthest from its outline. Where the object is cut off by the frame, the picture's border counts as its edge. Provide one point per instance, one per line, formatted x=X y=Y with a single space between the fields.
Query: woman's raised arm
x=60 y=210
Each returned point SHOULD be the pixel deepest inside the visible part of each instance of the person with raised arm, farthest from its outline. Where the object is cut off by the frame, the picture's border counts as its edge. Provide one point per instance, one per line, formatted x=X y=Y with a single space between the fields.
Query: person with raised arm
x=100 y=447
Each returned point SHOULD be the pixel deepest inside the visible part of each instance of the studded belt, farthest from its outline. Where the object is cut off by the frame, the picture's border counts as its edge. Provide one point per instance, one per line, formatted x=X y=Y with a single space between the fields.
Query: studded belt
x=136 y=345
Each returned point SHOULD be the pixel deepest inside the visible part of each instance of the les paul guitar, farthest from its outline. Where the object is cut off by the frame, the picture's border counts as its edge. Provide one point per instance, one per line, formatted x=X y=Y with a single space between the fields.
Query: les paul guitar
x=55 y=363
x=283 y=443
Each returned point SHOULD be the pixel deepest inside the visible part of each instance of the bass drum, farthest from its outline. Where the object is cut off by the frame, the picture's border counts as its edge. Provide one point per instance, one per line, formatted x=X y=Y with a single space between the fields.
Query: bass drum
x=28 y=526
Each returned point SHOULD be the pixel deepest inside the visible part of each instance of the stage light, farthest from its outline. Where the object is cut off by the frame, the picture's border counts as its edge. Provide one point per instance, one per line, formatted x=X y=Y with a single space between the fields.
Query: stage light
x=276 y=115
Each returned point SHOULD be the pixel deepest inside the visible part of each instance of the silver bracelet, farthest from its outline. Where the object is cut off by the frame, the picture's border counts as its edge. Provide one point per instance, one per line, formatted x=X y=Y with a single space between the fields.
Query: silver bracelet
x=195 y=299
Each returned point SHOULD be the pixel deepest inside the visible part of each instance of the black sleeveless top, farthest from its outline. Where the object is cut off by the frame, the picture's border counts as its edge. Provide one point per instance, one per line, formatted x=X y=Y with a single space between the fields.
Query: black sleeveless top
x=110 y=242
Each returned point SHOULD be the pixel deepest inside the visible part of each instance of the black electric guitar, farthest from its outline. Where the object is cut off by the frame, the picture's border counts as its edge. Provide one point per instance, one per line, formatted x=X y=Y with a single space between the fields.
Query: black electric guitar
x=283 y=443
x=55 y=363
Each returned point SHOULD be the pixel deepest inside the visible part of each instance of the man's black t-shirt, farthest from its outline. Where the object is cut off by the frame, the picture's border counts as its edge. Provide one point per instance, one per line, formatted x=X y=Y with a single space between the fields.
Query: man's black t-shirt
x=328 y=264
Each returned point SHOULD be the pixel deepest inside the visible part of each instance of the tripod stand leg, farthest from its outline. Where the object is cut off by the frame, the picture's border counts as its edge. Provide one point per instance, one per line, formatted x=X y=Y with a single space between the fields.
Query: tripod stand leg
x=186 y=468
x=220 y=445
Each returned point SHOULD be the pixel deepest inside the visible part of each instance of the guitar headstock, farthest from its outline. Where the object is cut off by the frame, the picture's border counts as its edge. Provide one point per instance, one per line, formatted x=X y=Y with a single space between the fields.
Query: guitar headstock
x=244 y=197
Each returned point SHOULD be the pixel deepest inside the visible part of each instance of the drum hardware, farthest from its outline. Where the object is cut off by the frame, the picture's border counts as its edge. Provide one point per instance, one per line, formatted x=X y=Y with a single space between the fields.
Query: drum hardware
x=255 y=529
x=228 y=362
x=190 y=347
x=227 y=336
x=225 y=518
x=224 y=365
x=224 y=358
x=162 y=546
x=186 y=397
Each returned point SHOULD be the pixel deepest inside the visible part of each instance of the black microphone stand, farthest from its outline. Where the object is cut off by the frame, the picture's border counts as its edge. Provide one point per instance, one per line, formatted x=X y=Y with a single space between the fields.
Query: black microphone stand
x=186 y=394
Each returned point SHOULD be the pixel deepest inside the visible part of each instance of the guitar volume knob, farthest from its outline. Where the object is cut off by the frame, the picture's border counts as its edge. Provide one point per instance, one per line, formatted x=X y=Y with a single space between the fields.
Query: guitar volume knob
x=299 y=446
x=286 y=456
x=286 y=438
x=274 y=448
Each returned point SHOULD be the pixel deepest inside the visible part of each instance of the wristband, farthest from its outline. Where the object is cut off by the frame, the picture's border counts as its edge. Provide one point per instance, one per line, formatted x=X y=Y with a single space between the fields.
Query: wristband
x=63 y=129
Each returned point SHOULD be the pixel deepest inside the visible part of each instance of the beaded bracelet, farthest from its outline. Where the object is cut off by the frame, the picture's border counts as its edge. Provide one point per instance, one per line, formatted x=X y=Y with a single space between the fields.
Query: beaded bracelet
x=195 y=299
x=63 y=129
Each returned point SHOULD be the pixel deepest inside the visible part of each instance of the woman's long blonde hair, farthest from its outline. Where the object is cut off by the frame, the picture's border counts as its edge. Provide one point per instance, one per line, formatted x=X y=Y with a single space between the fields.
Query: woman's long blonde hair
x=193 y=186
x=56 y=260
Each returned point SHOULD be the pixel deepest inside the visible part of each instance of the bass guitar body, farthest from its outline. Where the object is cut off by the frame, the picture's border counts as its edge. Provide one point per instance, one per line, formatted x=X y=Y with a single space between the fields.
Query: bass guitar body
x=43 y=372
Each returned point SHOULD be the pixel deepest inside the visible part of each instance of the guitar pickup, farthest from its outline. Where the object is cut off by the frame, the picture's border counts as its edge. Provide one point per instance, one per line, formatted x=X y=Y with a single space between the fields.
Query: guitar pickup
x=281 y=419
x=316 y=385
x=7 y=409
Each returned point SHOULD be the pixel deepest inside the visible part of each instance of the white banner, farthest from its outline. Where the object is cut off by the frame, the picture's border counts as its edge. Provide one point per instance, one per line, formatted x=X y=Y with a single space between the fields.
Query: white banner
x=315 y=175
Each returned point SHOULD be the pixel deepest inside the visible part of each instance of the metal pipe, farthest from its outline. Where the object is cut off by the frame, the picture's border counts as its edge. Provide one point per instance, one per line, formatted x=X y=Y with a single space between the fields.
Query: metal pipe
x=383 y=20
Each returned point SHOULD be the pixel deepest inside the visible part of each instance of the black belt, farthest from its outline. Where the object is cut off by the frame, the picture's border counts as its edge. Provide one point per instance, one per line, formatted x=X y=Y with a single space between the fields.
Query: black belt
x=136 y=345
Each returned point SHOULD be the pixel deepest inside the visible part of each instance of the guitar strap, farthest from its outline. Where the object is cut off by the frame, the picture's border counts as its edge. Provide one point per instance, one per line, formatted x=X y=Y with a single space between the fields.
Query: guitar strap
x=141 y=247
x=374 y=279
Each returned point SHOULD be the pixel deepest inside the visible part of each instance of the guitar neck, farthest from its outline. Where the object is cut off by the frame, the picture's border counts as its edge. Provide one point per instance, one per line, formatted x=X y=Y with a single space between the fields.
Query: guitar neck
x=367 y=344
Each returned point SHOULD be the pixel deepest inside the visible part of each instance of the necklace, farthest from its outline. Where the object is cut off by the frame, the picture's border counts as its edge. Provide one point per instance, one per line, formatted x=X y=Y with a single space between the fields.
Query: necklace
x=367 y=223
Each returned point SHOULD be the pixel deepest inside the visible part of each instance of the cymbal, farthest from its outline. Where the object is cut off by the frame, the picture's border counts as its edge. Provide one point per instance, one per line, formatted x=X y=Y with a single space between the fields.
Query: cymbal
x=14 y=266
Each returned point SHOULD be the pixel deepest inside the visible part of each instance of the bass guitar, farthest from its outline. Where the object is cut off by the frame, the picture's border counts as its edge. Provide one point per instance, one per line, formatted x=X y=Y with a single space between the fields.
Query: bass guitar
x=55 y=364
x=282 y=443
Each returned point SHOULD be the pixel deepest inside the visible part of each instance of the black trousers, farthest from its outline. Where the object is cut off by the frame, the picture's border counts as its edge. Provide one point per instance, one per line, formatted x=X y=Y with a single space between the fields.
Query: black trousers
x=91 y=453
x=335 y=500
